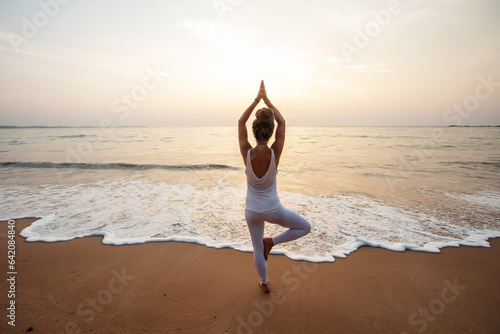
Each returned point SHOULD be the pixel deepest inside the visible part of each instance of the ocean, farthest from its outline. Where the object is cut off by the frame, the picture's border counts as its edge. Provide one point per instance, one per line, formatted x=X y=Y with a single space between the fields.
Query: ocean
x=418 y=188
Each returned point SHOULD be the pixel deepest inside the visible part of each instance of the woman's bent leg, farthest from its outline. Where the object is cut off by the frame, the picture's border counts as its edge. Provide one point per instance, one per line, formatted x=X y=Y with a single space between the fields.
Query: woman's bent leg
x=297 y=226
x=255 y=224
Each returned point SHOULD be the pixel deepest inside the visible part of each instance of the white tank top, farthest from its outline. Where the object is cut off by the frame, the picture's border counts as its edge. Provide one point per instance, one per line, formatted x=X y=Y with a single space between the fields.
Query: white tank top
x=262 y=195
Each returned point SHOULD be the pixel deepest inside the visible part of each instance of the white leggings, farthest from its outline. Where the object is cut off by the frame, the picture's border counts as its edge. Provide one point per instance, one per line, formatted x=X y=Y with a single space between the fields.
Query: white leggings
x=297 y=227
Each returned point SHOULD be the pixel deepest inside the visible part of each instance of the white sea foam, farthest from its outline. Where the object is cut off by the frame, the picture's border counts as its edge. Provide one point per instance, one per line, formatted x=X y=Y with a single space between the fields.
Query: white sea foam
x=489 y=199
x=138 y=211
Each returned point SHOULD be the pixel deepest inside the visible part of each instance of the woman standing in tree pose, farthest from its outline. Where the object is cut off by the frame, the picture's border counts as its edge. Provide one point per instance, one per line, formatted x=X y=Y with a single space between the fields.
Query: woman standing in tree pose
x=262 y=201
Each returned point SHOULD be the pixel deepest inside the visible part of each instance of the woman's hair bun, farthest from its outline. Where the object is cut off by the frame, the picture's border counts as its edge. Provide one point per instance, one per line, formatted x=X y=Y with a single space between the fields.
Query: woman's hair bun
x=263 y=124
x=264 y=115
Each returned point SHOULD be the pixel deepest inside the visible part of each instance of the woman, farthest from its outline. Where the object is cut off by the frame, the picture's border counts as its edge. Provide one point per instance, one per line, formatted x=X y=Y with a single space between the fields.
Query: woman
x=262 y=202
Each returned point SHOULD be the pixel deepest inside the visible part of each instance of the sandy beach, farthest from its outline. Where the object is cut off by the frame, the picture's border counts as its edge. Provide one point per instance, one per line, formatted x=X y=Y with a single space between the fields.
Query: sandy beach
x=83 y=286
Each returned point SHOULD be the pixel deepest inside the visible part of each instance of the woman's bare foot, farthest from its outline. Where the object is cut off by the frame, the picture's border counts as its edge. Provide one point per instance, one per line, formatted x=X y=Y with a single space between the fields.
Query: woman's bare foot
x=268 y=244
x=265 y=287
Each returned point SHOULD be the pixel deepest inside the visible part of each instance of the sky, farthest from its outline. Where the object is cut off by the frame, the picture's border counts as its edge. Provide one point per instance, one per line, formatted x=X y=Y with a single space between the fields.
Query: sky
x=199 y=63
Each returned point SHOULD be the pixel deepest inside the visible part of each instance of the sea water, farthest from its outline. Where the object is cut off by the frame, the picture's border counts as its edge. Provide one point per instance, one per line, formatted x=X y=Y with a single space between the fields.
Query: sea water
x=419 y=188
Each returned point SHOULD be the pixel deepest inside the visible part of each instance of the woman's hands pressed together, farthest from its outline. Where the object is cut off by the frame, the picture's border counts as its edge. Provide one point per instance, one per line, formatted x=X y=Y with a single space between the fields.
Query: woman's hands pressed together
x=262 y=94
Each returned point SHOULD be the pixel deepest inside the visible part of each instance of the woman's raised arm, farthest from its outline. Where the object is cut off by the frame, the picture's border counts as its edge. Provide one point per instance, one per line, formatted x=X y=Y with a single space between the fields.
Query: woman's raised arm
x=279 y=141
x=242 y=124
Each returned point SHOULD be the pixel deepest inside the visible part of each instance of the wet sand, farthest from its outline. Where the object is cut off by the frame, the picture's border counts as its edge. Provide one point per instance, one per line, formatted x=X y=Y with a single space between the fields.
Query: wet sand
x=83 y=286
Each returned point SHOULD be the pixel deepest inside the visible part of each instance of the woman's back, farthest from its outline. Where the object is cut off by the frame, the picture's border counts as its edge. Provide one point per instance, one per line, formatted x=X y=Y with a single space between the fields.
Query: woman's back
x=260 y=157
x=262 y=194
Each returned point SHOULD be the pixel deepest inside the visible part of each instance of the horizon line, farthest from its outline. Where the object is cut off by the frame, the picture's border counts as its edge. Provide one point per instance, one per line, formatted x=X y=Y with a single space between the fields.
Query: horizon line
x=213 y=126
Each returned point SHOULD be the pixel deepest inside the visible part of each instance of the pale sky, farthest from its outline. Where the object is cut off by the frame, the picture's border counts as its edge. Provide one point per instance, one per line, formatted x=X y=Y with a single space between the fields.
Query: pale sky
x=200 y=62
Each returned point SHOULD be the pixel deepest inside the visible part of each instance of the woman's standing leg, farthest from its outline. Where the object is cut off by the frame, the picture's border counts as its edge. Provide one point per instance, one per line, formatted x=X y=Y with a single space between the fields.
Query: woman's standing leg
x=255 y=224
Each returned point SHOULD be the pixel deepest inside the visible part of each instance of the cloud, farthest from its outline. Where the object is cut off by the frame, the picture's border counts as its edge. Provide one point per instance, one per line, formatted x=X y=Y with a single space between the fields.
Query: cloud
x=338 y=64
x=375 y=68
x=120 y=57
x=14 y=44
x=10 y=41
x=219 y=33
